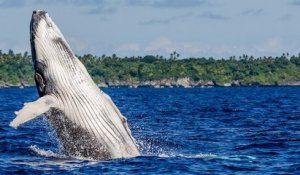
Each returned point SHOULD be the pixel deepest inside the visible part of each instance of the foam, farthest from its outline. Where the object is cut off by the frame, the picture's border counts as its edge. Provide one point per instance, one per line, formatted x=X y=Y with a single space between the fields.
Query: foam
x=209 y=156
x=46 y=153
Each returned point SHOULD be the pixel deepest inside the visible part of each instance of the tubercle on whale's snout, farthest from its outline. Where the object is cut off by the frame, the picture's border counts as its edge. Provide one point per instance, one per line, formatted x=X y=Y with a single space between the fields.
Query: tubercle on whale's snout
x=38 y=12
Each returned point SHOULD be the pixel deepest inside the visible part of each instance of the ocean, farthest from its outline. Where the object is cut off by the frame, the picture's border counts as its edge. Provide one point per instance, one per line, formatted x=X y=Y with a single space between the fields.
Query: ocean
x=236 y=130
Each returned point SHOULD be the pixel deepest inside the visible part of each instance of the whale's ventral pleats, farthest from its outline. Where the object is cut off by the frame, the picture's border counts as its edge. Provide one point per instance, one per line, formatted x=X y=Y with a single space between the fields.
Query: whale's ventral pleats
x=86 y=120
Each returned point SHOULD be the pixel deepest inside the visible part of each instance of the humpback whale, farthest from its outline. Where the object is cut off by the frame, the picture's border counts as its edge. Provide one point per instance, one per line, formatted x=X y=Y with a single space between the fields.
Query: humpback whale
x=86 y=120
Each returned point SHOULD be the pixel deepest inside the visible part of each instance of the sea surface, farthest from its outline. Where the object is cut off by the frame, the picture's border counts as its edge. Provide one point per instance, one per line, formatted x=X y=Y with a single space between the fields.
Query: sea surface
x=242 y=130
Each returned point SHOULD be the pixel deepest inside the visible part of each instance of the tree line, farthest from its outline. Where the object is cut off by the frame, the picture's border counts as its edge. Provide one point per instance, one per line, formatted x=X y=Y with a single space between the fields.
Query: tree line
x=16 y=68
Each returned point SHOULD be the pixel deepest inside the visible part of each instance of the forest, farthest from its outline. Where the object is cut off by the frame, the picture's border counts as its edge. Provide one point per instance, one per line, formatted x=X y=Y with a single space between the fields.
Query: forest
x=17 y=69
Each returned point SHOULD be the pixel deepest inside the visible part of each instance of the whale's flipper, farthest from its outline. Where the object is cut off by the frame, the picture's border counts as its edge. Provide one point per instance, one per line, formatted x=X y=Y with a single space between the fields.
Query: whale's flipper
x=34 y=109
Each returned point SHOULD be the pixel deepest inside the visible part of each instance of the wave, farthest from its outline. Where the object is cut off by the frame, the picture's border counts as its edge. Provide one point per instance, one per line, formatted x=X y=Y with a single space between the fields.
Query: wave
x=210 y=156
x=46 y=153
x=161 y=153
x=54 y=160
x=49 y=153
x=153 y=147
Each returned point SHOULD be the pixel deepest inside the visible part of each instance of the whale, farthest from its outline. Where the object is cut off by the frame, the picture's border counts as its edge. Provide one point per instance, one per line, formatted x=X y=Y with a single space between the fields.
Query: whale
x=86 y=121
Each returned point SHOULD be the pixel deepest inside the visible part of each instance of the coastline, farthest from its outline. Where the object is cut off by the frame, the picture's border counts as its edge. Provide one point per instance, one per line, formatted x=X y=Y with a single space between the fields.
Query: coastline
x=165 y=83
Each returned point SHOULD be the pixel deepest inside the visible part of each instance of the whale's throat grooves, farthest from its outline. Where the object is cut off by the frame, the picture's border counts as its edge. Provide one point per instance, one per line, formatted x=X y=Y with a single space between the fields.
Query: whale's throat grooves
x=86 y=120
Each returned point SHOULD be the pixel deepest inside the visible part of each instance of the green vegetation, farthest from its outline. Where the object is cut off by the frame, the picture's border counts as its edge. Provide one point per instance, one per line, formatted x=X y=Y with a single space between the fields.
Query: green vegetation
x=16 y=69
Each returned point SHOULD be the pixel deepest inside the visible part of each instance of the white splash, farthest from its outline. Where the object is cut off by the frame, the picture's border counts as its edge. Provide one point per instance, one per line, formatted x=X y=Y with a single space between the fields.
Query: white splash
x=46 y=153
x=49 y=153
x=209 y=156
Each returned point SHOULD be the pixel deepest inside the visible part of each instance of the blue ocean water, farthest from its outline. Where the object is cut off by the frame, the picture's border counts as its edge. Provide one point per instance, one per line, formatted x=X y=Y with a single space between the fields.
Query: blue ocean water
x=240 y=130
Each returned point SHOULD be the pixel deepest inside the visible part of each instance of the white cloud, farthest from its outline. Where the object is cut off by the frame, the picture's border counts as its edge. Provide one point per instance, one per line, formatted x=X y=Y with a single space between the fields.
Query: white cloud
x=70 y=2
x=12 y=3
x=130 y=47
x=167 y=20
x=275 y=47
x=193 y=48
x=285 y=17
x=16 y=47
x=161 y=44
x=78 y=46
x=270 y=45
x=253 y=12
x=168 y=3
x=2 y=45
x=102 y=10
x=211 y=15
x=295 y=2
x=165 y=46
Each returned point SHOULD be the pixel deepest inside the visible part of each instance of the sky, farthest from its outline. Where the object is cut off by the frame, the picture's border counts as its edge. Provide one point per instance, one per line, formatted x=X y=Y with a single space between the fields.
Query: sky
x=192 y=28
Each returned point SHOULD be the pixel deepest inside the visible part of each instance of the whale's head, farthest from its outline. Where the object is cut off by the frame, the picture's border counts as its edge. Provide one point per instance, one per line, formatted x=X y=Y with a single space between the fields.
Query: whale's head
x=52 y=56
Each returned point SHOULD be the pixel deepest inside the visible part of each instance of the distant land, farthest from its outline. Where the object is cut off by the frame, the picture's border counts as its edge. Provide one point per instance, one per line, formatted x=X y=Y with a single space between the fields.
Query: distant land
x=16 y=70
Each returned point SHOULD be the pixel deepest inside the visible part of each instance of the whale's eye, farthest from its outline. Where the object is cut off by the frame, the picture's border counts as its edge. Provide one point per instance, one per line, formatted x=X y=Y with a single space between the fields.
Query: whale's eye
x=40 y=82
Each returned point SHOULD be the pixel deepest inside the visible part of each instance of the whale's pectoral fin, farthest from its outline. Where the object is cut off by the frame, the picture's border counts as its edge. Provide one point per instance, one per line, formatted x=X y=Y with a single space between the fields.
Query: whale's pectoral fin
x=34 y=109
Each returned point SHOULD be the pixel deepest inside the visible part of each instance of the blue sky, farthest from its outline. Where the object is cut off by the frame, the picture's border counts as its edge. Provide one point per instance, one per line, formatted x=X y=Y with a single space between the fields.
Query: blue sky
x=193 y=28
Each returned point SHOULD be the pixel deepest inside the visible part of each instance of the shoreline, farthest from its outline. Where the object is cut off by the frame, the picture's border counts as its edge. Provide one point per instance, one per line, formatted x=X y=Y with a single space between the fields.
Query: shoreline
x=171 y=84
x=187 y=83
